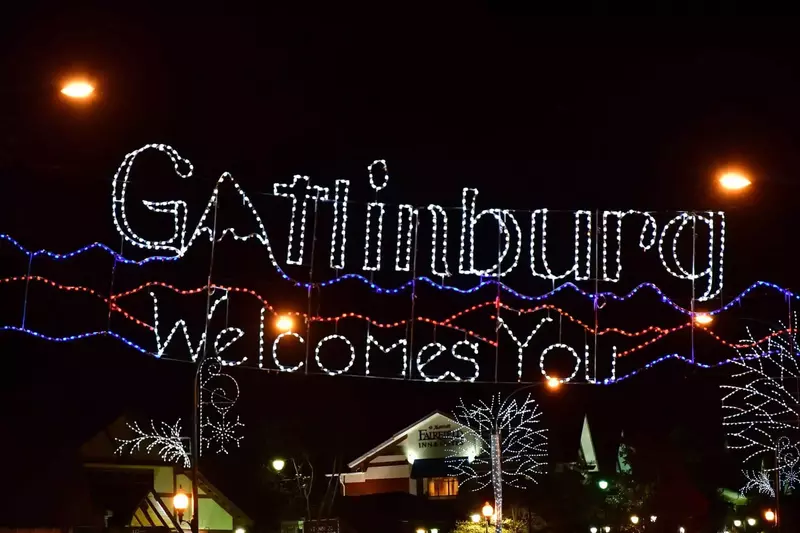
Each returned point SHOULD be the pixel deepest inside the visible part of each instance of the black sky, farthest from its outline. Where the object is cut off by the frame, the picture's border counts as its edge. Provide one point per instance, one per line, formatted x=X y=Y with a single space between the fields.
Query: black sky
x=591 y=113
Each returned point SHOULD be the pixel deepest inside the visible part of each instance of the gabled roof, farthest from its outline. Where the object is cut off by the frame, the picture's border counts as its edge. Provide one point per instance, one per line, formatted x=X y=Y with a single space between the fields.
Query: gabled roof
x=397 y=437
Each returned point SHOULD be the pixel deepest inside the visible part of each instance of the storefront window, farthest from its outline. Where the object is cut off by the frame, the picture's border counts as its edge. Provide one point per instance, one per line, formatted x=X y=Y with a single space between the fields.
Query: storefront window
x=442 y=487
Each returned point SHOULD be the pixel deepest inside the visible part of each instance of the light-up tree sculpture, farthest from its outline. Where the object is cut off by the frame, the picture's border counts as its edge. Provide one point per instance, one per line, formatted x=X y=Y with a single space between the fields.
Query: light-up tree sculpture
x=504 y=443
x=762 y=412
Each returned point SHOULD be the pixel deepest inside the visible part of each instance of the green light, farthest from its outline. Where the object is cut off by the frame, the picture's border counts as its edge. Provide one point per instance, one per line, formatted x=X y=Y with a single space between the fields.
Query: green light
x=603 y=484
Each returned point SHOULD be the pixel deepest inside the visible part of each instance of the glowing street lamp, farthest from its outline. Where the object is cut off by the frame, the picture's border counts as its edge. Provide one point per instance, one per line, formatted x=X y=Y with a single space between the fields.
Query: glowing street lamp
x=734 y=181
x=634 y=519
x=703 y=319
x=488 y=512
x=737 y=523
x=475 y=518
x=553 y=383
x=603 y=484
x=284 y=323
x=278 y=464
x=180 y=502
x=769 y=515
x=77 y=89
x=751 y=522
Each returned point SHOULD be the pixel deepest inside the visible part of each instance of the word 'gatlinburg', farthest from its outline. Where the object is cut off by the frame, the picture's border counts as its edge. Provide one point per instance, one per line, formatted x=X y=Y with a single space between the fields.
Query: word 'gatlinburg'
x=392 y=231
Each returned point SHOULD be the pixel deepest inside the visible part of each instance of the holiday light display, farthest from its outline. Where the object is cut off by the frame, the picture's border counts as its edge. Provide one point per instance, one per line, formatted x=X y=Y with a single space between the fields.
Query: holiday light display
x=762 y=412
x=218 y=431
x=218 y=394
x=594 y=235
x=162 y=438
x=509 y=446
x=228 y=337
x=301 y=192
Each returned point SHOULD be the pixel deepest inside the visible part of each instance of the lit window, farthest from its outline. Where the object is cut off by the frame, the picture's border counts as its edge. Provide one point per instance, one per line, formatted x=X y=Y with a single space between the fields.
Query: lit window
x=442 y=487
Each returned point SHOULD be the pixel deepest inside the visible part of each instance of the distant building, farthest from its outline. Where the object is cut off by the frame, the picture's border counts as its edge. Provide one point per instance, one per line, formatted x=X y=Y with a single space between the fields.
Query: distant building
x=136 y=490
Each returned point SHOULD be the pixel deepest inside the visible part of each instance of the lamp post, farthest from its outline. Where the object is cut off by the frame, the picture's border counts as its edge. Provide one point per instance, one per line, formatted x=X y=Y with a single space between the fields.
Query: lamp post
x=487 y=511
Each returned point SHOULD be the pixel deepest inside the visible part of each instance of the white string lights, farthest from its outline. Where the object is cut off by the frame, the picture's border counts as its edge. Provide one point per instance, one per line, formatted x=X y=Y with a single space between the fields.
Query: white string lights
x=580 y=269
x=405 y=226
x=218 y=393
x=522 y=345
x=301 y=192
x=563 y=347
x=298 y=191
x=439 y=349
x=649 y=225
x=349 y=346
x=339 y=232
x=223 y=340
x=162 y=438
x=509 y=446
x=276 y=342
x=762 y=414
x=372 y=259
x=371 y=341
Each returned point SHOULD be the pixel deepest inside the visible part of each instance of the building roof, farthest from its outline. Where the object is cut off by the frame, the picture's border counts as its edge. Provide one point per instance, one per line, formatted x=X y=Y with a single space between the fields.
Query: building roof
x=394 y=439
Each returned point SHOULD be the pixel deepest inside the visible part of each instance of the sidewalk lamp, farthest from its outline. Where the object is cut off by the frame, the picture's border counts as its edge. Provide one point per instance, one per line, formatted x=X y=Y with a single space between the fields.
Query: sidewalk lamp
x=737 y=523
x=475 y=518
x=180 y=502
x=603 y=484
x=278 y=464
x=487 y=511
x=592 y=529
x=769 y=515
x=751 y=522
x=634 y=519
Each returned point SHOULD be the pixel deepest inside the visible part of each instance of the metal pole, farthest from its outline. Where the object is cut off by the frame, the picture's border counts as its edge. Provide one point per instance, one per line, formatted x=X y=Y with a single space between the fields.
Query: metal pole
x=195 y=524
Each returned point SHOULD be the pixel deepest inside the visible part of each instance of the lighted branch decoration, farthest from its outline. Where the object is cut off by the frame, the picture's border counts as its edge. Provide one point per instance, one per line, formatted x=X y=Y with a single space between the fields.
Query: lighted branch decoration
x=162 y=438
x=218 y=430
x=504 y=442
x=762 y=414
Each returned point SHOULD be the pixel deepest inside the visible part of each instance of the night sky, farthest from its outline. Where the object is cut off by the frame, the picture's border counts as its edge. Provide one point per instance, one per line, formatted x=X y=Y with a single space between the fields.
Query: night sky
x=597 y=113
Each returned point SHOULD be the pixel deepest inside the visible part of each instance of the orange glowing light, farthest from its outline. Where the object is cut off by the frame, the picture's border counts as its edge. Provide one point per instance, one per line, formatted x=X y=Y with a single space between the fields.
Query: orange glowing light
x=284 y=323
x=78 y=89
x=553 y=383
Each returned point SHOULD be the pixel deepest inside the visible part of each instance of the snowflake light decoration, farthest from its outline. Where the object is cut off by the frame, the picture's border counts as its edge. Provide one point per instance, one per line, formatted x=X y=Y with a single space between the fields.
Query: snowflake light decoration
x=508 y=446
x=219 y=392
x=763 y=414
x=218 y=429
x=162 y=438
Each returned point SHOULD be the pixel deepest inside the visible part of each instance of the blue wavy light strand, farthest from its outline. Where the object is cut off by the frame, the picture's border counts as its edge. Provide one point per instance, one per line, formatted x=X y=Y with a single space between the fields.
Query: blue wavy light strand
x=94 y=246
x=424 y=279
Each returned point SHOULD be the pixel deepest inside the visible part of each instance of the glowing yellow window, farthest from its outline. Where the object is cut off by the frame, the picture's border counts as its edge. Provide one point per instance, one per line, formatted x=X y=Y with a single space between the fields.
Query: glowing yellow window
x=442 y=487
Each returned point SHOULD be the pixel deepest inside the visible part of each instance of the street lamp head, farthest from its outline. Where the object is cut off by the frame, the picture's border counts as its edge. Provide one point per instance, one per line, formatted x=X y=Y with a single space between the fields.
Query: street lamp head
x=703 y=319
x=603 y=484
x=634 y=519
x=737 y=523
x=180 y=502
x=751 y=522
x=769 y=515
x=487 y=510
x=278 y=464
x=475 y=518
x=284 y=323
x=77 y=89
x=239 y=530
x=733 y=180
x=592 y=529
x=553 y=383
